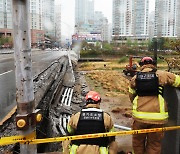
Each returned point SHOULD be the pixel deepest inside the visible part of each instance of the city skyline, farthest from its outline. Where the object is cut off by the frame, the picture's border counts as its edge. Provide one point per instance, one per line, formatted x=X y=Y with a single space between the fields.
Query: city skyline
x=68 y=13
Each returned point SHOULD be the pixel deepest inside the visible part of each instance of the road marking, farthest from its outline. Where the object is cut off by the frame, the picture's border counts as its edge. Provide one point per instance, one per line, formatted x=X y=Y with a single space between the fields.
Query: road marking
x=6 y=72
x=6 y=58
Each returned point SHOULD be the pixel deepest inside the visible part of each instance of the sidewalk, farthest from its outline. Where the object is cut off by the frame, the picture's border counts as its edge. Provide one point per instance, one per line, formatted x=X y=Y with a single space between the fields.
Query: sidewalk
x=6 y=51
x=10 y=51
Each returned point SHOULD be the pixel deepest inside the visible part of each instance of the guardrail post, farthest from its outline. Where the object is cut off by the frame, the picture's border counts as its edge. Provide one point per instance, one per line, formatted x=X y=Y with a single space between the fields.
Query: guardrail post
x=171 y=141
x=23 y=71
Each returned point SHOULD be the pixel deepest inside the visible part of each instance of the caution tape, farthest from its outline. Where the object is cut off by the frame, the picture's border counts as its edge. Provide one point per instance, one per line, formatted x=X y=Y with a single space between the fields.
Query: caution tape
x=25 y=140
x=17 y=139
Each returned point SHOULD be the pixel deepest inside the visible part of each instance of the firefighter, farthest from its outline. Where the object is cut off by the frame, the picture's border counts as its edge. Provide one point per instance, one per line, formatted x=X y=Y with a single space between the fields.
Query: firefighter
x=91 y=120
x=149 y=106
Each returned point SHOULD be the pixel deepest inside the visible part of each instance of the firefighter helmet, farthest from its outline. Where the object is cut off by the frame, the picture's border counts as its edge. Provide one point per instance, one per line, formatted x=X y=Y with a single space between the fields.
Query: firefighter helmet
x=92 y=97
x=146 y=60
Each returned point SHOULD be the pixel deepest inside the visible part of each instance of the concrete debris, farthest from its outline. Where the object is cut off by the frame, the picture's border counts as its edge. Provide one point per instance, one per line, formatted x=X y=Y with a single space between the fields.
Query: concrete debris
x=76 y=101
x=64 y=110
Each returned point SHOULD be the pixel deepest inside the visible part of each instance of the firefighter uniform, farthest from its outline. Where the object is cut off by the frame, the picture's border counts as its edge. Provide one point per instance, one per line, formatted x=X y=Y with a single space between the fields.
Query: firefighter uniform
x=88 y=121
x=149 y=106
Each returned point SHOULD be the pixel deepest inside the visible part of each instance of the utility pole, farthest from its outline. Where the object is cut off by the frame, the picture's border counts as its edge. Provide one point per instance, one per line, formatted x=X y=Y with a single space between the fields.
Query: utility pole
x=155 y=50
x=23 y=70
x=159 y=27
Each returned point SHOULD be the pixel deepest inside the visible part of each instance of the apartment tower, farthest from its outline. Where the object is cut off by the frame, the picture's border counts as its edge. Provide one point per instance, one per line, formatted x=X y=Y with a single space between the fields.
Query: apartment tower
x=48 y=12
x=167 y=18
x=58 y=24
x=5 y=18
x=84 y=15
x=37 y=32
x=130 y=19
x=122 y=20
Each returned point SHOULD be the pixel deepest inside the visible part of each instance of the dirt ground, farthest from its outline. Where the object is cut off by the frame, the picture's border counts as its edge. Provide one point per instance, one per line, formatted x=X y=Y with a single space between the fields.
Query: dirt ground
x=113 y=88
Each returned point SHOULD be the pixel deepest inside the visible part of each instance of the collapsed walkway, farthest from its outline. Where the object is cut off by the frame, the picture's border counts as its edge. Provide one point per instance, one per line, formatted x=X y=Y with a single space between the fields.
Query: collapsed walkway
x=60 y=103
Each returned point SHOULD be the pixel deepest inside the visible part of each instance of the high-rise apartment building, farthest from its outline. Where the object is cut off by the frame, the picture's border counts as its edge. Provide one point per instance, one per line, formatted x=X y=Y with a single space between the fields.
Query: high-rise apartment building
x=42 y=19
x=84 y=11
x=122 y=18
x=58 y=24
x=178 y=19
x=36 y=14
x=5 y=18
x=167 y=18
x=130 y=18
x=36 y=20
x=151 y=25
x=98 y=21
x=37 y=32
x=84 y=15
x=105 y=30
x=48 y=17
x=101 y=25
x=141 y=19
x=89 y=25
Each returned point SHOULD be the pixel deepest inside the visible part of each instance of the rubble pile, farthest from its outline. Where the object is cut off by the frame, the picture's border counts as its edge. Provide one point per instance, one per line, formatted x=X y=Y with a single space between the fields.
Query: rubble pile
x=115 y=83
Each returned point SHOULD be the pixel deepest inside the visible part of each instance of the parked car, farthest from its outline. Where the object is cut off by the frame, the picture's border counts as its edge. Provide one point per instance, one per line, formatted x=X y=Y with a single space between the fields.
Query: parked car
x=48 y=49
x=55 y=49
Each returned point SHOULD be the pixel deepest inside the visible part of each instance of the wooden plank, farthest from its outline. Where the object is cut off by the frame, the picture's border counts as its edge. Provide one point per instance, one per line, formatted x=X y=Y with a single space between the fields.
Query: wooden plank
x=9 y=115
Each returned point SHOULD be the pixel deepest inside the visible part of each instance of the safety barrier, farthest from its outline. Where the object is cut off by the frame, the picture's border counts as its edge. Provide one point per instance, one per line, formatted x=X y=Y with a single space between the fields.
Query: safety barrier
x=30 y=139
x=16 y=139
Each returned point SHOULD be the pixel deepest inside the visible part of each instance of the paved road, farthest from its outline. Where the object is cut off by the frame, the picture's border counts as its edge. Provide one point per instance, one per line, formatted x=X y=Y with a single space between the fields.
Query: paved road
x=40 y=60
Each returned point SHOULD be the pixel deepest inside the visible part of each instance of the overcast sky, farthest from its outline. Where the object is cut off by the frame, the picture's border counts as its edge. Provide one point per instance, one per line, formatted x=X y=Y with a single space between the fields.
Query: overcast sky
x=67 y=7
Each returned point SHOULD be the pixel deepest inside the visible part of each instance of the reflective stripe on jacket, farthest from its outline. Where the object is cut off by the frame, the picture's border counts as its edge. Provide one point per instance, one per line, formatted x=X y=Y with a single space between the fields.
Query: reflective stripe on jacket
x=162 y=115
x=73 y=149
x=177 y=81
x=102 y=150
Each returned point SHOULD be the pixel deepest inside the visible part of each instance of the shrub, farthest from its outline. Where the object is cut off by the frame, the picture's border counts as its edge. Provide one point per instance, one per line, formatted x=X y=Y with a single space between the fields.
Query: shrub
x=123 y=59
x=89 y=53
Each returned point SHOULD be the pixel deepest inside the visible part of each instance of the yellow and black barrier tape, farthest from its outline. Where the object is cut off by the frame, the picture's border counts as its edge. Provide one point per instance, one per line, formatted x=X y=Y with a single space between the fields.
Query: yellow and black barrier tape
x=16 y=139
x=28 y=140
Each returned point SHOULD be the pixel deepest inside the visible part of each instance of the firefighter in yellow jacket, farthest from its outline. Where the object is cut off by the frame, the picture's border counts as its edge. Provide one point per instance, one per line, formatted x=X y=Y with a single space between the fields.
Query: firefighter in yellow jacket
x=149 y=106
x=92 y=120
